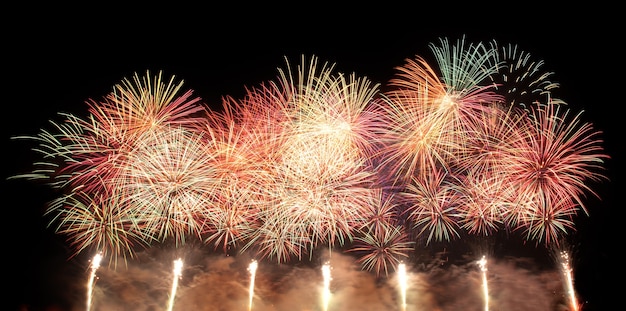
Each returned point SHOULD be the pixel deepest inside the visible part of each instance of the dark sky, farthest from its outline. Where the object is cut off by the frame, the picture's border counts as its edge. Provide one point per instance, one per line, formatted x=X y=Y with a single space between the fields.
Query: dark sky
x=58 y=58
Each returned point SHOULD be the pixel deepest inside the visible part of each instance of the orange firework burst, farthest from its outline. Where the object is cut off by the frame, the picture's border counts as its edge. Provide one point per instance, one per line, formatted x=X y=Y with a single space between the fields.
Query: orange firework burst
x=428 y=116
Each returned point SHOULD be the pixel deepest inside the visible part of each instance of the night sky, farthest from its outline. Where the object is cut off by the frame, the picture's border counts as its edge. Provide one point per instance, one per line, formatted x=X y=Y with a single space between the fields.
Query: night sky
x=63 y=59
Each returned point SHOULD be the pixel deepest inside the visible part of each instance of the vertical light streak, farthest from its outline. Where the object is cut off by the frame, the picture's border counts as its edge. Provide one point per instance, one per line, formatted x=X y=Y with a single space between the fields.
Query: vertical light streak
x=326 y=290
x=402 y=282
x=252 y=268
x=178 y=267
x=95 y=264
x=483 y=267
x=569 y=280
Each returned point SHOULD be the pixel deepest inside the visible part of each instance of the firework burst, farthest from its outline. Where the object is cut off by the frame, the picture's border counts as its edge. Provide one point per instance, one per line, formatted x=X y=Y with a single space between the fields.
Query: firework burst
x=168 y=181
x=89 y=159
x=318 y=158
x=428 y=115
x=432 y=203
x=323 y=169
x=520 y=77
x=384 y=250
x=558 y=156
x=101 y=225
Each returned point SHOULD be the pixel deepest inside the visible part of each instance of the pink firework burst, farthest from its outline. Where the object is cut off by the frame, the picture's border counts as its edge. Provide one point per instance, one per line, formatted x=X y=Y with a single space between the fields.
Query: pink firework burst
x=382 y=250
x=553 y=165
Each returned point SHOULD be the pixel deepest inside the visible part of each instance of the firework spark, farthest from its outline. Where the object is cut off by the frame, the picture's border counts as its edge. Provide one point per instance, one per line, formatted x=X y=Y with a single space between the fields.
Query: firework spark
x=95 y=264
x=520 y=77
x=326 y=294
x=382 y=250
x=252 y=269
x=552 y=168
x=433 y=202
x=482 y=263
x=318 y=158
x=402 y=285
x=569 y=280
x=178 y=269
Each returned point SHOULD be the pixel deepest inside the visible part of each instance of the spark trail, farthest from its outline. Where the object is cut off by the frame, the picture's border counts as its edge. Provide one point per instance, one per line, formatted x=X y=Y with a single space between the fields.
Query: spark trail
x=178 y=267
x=326 y=290
x=95 y=264
x=252 y=268
x=569 y=280
x=483 y=268
x=402 y=282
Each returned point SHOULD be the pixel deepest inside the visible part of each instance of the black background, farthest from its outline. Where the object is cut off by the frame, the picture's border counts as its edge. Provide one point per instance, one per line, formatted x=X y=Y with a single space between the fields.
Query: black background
x=57 y=57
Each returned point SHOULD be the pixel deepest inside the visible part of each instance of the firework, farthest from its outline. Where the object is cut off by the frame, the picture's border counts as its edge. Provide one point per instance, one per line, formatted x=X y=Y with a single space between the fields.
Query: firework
x=85 y=152
x=483 y=204
x=178 y=268
x=323 y=176
x=233 y=220
x=383 y=250
x=551 y=168
x=89 y=159
x=432 y=203
x=562 y=254
x=95 y=264
x=168 y=180
x=326 y=294
x=252 y=269
x=243 y=138
x=414 y=138
x=520 y=77
x=402 y=285
x=102 y=224
x=318 y=158
x=428 y=115
x=482 y=263
x=382 y=215
x=281 y=236
x=489 y=140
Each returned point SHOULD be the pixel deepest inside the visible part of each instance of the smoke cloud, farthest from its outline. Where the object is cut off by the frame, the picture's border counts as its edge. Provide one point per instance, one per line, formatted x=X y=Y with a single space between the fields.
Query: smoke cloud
x=221 y=283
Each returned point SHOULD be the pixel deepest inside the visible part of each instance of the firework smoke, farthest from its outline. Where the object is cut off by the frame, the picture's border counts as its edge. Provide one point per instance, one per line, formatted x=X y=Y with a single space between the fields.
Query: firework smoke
x=215 y=282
